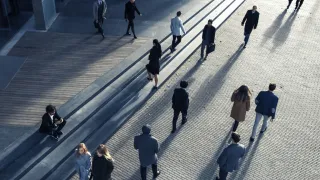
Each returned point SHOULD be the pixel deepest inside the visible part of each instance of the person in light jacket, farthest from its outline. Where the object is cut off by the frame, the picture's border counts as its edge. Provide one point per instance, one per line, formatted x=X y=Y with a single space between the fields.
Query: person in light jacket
x=102 y=164
x=266 y=102
x=99 y=12
x=241 y=104
x=229 y=159
x=176 y=27
x=148 y=148
x=83 y=162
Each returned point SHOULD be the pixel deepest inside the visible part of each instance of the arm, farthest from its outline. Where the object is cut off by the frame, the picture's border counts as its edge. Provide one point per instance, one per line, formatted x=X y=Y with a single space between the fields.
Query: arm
x=248 y=104
x=244 y=19
x=125 y=11
x=214 y=34
x=135 y=143
x=173 y=97
x=257 y=20
x=88 y=162
x=94 y=12
x=105 y=8
x=274 y=107
x=257 y=100
x=156 y=148
x=233 y=96
x=137 y=10
x=182 y=27
x=223 y=157
x=171 y=26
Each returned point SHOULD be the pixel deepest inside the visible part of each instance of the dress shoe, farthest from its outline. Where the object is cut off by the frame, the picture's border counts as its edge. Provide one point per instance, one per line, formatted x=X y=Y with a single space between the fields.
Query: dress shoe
x=173 y=131
x=55 y=137
x=251 y=139
x=156 y=175
x=183 y=122
x=128 y=34
x=135 y=37
x=261 y=132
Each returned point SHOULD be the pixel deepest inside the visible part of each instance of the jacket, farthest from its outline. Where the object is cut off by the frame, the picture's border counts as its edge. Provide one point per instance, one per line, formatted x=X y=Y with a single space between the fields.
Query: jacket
x=47 y=125
x=251 y=20
x=266 y=101
x=96 y=8
x=239 y=108
x=180 y=99
x=83 y=166
x=148 y=148
x=176 y=26
x=230 y=157
x=212 y=33
x=102 y=168
x=130 y=9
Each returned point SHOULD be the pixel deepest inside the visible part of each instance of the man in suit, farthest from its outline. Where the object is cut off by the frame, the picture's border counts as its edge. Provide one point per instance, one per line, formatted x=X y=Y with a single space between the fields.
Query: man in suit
x=180 y=103
x=251 y=19
x=176 y=27
x=298 y=4
x=148 y=148
x=52 y=123
x=229 y=159
x=129 y=15
x=99 y=12
x=266 y=103
x=208 y=35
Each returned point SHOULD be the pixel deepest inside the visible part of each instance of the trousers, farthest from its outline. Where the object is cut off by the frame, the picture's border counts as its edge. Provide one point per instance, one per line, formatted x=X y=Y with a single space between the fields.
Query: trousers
x=223 y=174
x=257 y=121
x=176 y=116
x=143 y=171
x=130 y=25
x=175 y=41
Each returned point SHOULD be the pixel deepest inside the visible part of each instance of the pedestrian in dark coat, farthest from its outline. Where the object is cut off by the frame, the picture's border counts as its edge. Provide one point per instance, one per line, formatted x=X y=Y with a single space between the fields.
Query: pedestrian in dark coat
x=148 y=148
x=208 y=35
x=266 y=102
x=153 y=67
x=180 y=103
x=298 y=4
x=129 y=15
x=241 y=104
x=251 y=19
x=102 y=164
x=99 y=12
x=52 y=123
x=229 y=159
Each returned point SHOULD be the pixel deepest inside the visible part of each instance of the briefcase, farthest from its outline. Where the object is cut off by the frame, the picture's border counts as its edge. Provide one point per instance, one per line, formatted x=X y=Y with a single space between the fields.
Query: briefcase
x=211 y=48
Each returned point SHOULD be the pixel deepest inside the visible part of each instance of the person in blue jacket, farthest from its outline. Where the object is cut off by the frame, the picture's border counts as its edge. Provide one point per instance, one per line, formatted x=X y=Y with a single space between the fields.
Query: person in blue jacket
x=266 y=102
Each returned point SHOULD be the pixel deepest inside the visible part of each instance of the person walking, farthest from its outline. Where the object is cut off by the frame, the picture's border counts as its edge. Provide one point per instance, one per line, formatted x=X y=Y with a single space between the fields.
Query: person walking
x=153 y=67
x=102 y=164
x=266 y=102
x=180 y=103
x=14 y=6
x=129 y=15
x=208 y=35
x=229 y=159
x=176 y=27
x=83 y=162
x=52 y=123
x=148 y=147
x=99 y=12
x=241 y=104
x=251 y=19
x=298 y=4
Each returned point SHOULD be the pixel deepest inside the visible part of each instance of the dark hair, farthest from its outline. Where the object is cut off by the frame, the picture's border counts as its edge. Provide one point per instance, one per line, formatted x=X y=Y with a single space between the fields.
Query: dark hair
x=50 y=108
x=158 y=46
x=210 y=21
x=184 y=84
x=242 y=93
x=272 y=87
x=179 y=13
x=235 y=137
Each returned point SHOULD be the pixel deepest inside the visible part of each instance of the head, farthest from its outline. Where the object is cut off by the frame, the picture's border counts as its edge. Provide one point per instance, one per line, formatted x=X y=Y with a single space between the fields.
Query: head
x=155 y=42
x=242 y=93
x=235 y=137
x=102 y=150
x=179 y=13
x=272 y=87
x=254 y=8
x=132 y=1
x=50 y=109
x=82 y=149
x=146 y=129
x=210 y=22
x=184 y=84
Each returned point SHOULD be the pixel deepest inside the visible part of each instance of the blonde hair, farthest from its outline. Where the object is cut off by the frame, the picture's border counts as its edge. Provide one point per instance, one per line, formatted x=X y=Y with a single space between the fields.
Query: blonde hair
x=84 y=147
x=102 y=149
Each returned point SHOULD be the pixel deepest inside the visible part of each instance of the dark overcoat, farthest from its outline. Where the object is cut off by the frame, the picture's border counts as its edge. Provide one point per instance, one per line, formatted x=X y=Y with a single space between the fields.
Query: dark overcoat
x=251 y=20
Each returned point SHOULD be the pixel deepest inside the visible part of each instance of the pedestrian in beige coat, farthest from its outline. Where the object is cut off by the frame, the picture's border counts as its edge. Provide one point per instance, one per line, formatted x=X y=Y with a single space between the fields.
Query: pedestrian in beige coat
x=241 y=104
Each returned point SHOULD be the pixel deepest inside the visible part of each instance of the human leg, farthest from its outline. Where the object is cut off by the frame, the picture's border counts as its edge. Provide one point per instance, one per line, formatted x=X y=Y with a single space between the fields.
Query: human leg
x=155 y=170
x=203 y=46
x=143 y=172
x=235 y=125
x=184 y=116
x=265 y=123
x=173 y=45
x=175 y=119
x=255 y=126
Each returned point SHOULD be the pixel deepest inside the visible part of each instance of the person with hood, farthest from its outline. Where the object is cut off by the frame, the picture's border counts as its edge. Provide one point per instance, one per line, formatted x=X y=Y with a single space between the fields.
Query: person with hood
x=148 y=147
x=180 y=103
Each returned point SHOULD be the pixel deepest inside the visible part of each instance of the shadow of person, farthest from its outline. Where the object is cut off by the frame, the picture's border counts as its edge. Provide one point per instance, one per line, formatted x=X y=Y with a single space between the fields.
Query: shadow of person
x=273 y=28
x=283 y=33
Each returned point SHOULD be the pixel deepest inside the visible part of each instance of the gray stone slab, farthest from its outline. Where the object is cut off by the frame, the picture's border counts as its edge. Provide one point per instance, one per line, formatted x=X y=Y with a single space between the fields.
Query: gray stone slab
x=9 y=66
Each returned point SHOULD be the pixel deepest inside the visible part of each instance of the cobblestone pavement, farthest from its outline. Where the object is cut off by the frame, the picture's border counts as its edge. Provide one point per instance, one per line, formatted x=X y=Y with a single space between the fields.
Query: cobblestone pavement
x=284 y=50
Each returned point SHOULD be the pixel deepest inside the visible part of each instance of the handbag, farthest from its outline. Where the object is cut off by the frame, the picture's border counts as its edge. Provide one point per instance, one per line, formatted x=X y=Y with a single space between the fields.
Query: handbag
x=211 y=48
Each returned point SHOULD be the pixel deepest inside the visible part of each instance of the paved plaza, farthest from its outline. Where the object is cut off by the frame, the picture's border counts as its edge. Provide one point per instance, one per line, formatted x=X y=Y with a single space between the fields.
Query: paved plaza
x=284 y=50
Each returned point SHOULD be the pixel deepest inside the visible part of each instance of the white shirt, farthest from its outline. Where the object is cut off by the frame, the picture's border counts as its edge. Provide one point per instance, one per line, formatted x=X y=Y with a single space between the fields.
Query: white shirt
x=51 y=116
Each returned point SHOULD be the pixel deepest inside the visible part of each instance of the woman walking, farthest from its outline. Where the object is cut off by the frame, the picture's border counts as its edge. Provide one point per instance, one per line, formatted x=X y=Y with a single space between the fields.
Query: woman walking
x=102 y=165
x=83 y=161
x=153 y=67
x=241 y=104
